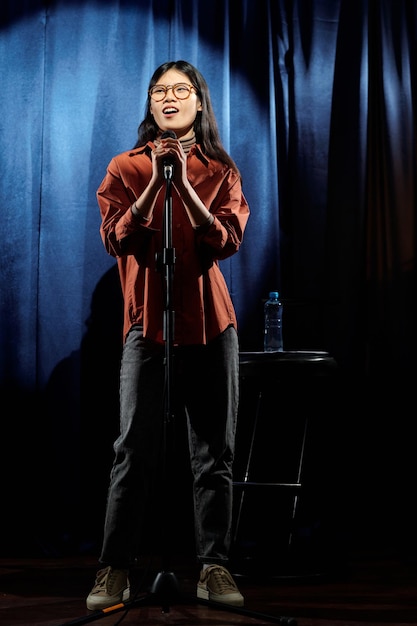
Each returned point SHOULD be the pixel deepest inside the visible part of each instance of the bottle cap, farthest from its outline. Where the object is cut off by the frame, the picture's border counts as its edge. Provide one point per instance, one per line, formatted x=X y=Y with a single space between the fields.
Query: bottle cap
x=274 y=294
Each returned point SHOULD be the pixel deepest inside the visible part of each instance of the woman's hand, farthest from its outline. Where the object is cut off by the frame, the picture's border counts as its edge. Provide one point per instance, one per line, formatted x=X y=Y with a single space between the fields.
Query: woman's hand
x=169 y=150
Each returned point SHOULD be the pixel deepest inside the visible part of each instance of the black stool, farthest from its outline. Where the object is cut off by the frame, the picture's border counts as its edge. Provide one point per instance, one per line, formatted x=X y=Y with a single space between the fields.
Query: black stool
x=268 y=379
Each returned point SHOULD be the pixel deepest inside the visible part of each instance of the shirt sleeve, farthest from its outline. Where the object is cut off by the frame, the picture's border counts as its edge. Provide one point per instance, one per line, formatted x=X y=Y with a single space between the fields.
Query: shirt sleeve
x=231 y=213
x=121 y=231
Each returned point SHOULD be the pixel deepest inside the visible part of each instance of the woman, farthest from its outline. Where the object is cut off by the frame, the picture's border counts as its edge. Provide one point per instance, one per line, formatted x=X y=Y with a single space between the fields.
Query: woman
x=209 y=216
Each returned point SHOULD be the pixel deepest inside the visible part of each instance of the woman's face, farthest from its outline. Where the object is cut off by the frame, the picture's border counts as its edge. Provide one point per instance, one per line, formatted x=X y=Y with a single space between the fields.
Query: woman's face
x=177 y=110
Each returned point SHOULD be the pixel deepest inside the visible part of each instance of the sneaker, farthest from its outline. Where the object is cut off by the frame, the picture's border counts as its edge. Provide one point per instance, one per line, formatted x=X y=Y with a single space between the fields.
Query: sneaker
x=217 y=584
x=111 y=587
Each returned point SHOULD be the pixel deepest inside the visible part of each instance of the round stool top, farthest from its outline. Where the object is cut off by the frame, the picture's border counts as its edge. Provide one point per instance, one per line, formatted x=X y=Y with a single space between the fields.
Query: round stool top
x=287 y=363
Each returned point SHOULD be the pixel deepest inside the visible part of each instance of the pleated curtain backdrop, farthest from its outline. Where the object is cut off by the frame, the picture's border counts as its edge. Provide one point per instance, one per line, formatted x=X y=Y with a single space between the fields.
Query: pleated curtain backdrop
x=316 y=103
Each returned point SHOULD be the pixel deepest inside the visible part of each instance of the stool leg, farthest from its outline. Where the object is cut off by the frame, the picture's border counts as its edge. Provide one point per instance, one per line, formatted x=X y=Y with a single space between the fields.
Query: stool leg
x=248 y=466
x=299 y=475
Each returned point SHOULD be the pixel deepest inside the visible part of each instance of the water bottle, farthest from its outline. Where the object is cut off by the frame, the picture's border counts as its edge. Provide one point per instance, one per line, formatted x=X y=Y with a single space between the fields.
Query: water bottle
x=273 y=324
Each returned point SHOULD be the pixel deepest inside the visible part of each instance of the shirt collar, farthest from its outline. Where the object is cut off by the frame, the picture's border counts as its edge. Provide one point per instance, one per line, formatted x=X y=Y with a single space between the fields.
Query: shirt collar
x=147 y=149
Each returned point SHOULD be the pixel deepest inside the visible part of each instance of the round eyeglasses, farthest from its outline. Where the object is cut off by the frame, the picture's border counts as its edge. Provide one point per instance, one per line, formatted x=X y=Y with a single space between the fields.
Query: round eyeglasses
x=181 y=91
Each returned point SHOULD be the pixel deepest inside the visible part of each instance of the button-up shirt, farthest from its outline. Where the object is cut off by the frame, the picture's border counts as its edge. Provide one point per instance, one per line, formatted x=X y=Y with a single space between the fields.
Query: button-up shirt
x=201 y=304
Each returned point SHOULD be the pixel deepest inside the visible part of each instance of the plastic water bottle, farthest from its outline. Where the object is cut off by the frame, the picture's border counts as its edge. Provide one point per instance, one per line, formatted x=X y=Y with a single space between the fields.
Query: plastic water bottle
x=273 y=324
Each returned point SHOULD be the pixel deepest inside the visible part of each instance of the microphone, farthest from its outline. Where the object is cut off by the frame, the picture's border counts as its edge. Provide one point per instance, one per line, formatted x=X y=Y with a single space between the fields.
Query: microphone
x=168 y=162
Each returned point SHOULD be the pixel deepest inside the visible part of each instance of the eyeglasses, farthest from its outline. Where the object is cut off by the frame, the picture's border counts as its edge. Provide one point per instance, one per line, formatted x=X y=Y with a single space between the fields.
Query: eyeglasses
x=181 y=91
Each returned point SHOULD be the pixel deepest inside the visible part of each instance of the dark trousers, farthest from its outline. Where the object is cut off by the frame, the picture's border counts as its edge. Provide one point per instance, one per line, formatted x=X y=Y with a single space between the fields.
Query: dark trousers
x=205 y=380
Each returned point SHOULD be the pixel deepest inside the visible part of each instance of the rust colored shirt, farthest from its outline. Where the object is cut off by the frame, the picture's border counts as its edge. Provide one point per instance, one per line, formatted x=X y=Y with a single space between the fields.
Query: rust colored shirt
x=201 y=303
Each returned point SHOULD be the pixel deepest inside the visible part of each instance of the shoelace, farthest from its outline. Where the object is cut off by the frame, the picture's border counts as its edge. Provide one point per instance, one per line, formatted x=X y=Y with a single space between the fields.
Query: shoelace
x=105 y=580
x=100 y=581
x=223 y=580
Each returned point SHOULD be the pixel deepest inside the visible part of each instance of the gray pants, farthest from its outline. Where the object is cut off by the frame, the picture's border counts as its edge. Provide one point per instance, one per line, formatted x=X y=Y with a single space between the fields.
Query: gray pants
x=205 y=380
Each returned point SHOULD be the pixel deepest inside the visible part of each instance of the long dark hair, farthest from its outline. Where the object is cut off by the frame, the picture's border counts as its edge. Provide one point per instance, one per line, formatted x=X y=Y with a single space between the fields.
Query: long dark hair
x=205 y=124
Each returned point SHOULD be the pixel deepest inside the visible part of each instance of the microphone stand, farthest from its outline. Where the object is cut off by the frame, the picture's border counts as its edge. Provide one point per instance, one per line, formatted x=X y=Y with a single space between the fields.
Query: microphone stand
x=165 y=588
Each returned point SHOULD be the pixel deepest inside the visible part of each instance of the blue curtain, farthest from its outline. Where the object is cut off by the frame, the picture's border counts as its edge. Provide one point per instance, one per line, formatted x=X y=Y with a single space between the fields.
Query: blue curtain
x=315 y=101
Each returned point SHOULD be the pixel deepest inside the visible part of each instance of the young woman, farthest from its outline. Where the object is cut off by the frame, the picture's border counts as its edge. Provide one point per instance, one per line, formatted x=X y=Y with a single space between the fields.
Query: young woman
x=209 y=216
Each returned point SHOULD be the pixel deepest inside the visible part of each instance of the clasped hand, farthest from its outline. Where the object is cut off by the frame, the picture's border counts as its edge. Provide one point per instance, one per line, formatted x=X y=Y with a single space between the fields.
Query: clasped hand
x=170 y=150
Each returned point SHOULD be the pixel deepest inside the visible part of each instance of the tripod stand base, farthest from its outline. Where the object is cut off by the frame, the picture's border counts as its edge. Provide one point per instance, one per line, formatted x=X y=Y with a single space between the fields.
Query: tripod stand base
x=165 y=590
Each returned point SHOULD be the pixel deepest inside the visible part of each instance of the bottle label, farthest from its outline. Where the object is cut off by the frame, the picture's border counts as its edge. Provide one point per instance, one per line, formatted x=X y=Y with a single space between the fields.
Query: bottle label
x=273 y=341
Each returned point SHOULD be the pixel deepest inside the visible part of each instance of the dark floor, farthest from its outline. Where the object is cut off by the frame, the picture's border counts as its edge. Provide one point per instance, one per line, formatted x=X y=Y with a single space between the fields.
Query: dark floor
x=354 y=542
x=369 y=590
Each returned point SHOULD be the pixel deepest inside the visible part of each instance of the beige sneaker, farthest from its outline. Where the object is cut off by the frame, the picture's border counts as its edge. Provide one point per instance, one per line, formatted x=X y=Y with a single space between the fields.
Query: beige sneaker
x=217 y=584
x=111 y=587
